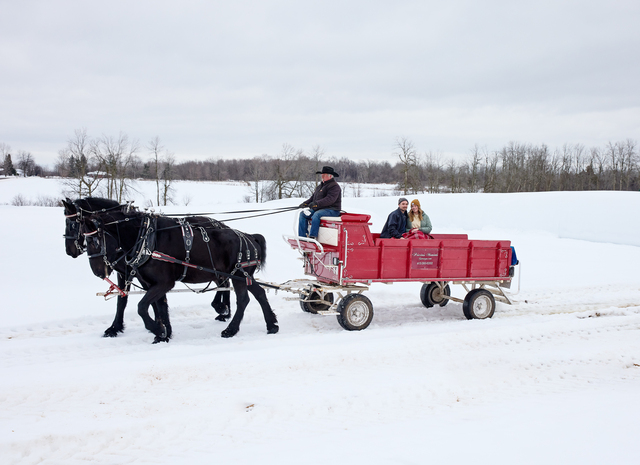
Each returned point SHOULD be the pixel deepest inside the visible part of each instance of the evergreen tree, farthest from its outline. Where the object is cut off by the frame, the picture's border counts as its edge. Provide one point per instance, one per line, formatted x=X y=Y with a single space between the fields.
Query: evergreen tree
x=9 y=169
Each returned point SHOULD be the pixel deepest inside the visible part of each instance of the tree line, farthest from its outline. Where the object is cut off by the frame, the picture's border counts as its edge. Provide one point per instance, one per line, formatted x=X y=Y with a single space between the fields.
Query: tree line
x=107 y=165
x=24 y=162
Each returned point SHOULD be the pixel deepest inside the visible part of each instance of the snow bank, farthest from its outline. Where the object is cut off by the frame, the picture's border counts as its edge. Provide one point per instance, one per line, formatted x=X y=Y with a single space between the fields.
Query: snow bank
x=553 y=378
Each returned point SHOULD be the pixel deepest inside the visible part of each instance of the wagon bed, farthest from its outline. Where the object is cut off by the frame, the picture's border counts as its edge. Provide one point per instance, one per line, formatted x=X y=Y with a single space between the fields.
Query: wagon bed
x=347 y=258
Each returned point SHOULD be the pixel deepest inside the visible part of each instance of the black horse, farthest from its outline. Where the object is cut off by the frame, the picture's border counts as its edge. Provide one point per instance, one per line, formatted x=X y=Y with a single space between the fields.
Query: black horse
x=75 y=246
x=114 y=235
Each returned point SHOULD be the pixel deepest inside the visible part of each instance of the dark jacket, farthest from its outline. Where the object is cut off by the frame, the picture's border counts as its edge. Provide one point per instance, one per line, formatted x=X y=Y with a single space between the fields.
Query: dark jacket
x=395 y=225
x=327 y=195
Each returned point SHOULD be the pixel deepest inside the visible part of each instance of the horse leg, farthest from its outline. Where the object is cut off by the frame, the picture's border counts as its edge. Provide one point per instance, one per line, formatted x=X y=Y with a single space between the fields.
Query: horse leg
x=153 y=295
x=221 y=305
x=242 y=300
x=269 y=317
x=161 y=309
x=121 y=303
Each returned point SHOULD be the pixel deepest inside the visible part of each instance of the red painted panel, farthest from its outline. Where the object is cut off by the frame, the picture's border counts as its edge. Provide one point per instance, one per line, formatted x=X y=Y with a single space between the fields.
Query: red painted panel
x=446 y=256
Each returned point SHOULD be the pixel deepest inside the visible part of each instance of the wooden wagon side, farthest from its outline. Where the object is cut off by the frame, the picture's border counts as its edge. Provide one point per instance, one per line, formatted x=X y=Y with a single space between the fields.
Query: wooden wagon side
x=347 y=256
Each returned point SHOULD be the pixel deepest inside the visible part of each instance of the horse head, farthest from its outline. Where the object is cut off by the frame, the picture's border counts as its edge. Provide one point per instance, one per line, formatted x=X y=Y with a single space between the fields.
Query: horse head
x=108 y=235
x=102 y=247
x=96 y=245
x=73 y=239
x=74 y=212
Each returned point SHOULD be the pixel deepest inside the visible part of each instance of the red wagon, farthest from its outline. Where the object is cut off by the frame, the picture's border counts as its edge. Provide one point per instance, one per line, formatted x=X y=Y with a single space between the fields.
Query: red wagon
x=347 y=258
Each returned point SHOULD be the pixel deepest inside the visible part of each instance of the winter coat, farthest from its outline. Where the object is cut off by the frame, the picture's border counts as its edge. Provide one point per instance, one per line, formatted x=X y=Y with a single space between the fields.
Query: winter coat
x=396 y=225
x=327 y=195
x=425 y=224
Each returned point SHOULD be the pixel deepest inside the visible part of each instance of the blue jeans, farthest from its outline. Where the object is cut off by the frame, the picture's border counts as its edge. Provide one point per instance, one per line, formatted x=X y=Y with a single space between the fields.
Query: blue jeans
x=315 y=221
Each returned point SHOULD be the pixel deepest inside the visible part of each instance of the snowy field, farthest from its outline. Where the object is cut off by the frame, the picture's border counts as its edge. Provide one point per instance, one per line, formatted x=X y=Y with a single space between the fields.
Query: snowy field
x=552 y=379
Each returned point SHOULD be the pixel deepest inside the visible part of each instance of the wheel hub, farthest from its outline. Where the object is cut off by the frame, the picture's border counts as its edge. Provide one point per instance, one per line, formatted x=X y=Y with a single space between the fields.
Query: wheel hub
x=482 y=306
x=358 y=313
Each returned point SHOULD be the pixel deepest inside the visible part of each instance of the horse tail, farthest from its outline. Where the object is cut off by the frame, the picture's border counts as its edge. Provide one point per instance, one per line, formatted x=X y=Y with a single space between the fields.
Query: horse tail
x=262 y=242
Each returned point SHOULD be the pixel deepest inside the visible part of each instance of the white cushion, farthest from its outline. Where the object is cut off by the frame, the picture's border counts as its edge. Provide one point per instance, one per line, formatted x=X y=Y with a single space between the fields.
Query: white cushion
x=328 y=236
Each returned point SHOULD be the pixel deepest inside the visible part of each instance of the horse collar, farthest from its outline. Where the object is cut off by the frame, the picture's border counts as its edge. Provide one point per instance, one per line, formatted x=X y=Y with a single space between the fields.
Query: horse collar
x=145 y=244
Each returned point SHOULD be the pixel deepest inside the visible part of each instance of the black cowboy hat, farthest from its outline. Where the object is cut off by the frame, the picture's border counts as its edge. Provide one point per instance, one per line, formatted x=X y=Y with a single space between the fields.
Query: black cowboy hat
x=328 y=170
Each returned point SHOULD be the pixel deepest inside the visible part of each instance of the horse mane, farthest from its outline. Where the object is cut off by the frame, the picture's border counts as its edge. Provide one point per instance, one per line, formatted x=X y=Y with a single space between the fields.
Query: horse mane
x=91 y=204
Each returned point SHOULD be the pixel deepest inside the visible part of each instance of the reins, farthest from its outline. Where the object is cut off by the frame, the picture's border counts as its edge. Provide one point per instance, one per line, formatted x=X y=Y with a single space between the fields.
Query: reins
x=273 y=210
x=141 y=252
x=270 y=211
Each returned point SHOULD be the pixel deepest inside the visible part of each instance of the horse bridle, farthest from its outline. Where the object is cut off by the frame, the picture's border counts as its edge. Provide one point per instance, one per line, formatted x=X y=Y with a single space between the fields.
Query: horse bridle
x=101 y=243
x=72 y=232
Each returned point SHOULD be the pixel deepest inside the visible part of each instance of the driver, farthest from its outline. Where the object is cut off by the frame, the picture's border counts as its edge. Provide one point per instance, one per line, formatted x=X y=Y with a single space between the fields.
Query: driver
x=325 y=201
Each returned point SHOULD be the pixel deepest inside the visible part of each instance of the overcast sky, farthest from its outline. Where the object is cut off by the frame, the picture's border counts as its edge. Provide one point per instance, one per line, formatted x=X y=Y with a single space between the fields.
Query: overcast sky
x=237 y=79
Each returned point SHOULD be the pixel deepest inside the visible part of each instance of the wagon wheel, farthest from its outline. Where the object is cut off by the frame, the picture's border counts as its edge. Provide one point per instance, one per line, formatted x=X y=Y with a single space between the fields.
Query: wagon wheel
x=479 y=304
x=315 y=307
x=431 y=295
x=356 y=312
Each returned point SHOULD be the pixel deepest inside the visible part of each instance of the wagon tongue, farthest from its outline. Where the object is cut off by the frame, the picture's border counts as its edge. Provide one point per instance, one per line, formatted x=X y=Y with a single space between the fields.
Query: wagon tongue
x=113 y=290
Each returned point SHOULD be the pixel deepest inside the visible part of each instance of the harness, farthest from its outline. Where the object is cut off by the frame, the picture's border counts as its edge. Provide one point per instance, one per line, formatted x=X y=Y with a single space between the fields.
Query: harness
x=142 y=250
x=245 y=242
x=145 y=245
x=74 y=227
x=187 y=237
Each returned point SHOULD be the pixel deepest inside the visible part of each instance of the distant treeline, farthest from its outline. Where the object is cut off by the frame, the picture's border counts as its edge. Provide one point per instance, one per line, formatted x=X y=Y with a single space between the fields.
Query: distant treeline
x=516 y=167
x=106 y=165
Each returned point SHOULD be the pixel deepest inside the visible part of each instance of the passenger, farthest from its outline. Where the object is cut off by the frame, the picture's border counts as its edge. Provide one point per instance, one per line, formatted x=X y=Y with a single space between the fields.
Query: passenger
x=396 y=222
x=325 y=201
x=418 y=224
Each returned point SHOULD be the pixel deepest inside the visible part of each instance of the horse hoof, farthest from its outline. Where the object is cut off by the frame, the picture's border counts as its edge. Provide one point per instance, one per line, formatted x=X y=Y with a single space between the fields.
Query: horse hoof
x=222 y=311
x=160 y=339
x=221 y=318
x=111 y=332
x=228 y=333
x=273 y=330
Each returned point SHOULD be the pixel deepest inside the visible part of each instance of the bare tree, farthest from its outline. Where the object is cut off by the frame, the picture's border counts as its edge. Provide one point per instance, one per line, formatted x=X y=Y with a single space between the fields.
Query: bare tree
x=5 y=149
x=168 y=166
x=406 y=153
x=474 y=168
x=258 y=188
x=26 y=163
x=162 y=170
x=538 y=169
x=628 y=160
x=115 y=155
x=317 y=155
x=491 y=172
x=286 y=174
x=75 y=163
x=579 y=169
x=433 y=167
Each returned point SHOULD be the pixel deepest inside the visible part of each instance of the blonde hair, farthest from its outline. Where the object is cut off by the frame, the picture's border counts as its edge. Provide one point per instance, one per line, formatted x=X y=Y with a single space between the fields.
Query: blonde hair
x=419 y=214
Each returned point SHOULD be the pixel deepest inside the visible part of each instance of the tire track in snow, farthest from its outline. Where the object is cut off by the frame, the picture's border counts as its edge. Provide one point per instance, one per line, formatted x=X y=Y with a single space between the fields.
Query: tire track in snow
x=129 y=399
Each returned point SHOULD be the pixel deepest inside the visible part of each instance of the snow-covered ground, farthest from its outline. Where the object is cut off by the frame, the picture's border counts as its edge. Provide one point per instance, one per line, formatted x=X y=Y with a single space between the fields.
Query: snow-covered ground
x=553 y=378
x=37 y=191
